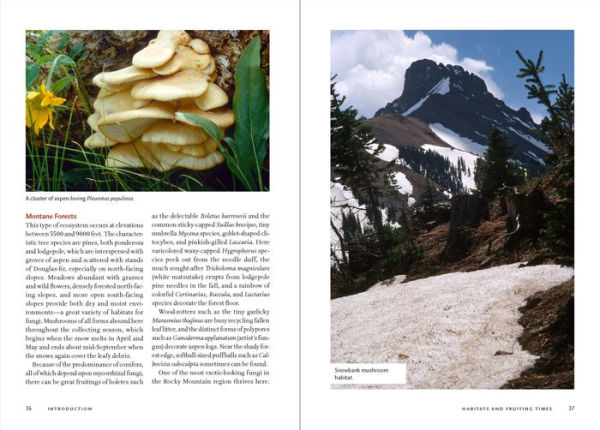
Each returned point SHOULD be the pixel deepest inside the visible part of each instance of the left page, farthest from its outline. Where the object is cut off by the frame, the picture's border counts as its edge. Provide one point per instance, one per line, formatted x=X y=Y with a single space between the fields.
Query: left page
x=149 y=215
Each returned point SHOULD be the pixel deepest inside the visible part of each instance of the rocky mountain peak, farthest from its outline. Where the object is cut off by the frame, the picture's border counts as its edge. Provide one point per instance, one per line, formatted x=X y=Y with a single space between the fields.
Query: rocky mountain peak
x=449 y=96
x=427 y=78
x=524 y=115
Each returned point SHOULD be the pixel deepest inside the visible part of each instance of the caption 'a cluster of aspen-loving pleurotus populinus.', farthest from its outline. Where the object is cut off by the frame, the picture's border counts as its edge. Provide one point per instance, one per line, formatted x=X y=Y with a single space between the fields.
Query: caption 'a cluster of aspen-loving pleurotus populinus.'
x=135 y=108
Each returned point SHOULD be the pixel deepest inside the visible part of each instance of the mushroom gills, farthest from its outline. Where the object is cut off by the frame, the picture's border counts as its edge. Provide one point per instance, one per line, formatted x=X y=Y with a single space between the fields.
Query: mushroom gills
x=174 y=133
x=159 y=157
x=126 y=126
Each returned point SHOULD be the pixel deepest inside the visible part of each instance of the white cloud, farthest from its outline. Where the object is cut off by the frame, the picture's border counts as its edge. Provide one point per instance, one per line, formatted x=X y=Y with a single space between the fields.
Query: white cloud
x=370 y=65
x=537 y=118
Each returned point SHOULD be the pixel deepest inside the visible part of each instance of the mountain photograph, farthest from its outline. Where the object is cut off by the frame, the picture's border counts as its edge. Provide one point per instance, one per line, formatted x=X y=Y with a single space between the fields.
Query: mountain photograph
x=452 y=206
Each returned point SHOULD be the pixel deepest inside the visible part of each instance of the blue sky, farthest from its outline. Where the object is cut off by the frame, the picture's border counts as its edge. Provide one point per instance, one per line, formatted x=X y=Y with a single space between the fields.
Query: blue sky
x=370 y=64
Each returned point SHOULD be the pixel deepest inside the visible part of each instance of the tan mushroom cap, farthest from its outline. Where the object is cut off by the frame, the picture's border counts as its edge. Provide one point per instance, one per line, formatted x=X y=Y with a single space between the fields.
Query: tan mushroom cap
x=200 y=46
x=105 y=93
x=126 y=75
x=174 y=133
x=161 y=49
x=116 y=102
x=211 y=69
x=158 y=157
x=184 y=58
x=126 y=126
x=98 y=140
x=114 y=88
x=213 y=98
x=184 y=84
x=222 y=117
x=127 y=155
x=93 y=121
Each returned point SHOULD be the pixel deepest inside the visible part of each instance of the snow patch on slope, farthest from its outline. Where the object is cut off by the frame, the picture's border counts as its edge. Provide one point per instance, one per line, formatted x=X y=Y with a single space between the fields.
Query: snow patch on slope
x=531 y=139
x=456 y=140
x=535 y=157
x=442 y=87
x=524 y=124
x=342 y=200
x=404 y=186
x=453 y=155
x=450 y=326
x=389 y=152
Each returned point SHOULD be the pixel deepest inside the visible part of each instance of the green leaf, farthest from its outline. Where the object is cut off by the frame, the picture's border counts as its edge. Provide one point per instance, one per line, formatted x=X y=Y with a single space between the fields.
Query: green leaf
x=234 y=166
x=58 y=61
x=31 y=73
x=251 y=107
x=63 y=42
x=35 y=50
x=61 y=84
x=76 y=50
x=63 y=59
x=199 y=121
x=44 y=59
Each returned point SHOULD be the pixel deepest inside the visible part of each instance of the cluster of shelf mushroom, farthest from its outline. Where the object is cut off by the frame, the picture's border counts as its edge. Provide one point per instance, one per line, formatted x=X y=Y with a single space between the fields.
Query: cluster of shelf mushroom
x=135 y=108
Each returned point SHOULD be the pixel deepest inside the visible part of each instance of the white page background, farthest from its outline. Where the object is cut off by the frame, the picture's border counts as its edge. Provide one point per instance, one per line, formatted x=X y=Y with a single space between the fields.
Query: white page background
x=149 y=407
x=382 y=409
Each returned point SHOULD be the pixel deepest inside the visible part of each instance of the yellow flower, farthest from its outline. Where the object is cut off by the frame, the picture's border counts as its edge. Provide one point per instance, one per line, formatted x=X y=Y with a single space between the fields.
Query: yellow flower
x=38 y=110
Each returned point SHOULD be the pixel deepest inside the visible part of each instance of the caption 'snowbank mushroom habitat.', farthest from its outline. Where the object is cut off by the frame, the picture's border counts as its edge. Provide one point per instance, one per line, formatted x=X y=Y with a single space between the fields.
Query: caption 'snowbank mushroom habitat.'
x=134 y=113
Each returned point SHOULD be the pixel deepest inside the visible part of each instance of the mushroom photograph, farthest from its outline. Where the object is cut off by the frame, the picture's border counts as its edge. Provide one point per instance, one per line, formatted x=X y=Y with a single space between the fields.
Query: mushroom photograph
x=167 y=110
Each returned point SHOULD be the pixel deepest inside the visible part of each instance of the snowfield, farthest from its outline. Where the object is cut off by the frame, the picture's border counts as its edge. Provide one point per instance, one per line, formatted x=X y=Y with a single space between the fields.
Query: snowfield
x=453 y=155
x=457 y=330
x=342 y=199
x=389 y=153
x=404 y=186
x=456 y=140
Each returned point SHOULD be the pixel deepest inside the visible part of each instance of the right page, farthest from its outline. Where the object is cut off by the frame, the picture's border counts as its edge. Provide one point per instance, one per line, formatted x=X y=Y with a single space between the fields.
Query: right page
x=444 y=217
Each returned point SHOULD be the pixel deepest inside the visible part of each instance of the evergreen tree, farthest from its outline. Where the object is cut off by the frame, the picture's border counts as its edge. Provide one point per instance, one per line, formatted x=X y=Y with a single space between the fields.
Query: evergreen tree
x=376 y=251
x=494 y=170
x=558 y=134
x=427 y=200
x=352 y=163
x=433 y=166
